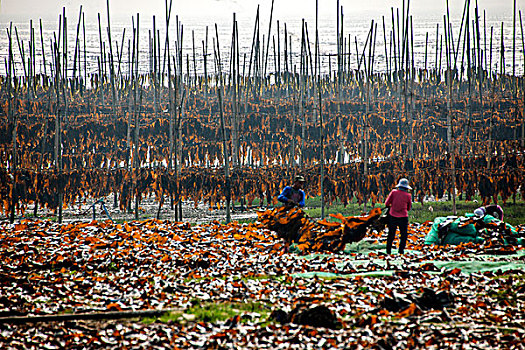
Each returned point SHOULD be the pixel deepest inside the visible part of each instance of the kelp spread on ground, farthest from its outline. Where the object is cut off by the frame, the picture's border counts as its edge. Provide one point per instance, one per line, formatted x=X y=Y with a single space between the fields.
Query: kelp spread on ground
x=431 y=297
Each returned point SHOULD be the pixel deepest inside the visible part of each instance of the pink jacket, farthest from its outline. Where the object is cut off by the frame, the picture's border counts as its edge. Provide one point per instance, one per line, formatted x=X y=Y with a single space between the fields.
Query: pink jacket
x=400 y=202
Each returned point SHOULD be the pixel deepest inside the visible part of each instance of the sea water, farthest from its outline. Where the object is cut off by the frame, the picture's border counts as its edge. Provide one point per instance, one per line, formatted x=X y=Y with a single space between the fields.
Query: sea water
x=195 y=26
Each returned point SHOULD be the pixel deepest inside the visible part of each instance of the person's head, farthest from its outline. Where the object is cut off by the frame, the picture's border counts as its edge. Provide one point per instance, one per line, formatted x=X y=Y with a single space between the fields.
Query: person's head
x=403 y=185
x=480 y=212
x=498 y=213
x=298 y=182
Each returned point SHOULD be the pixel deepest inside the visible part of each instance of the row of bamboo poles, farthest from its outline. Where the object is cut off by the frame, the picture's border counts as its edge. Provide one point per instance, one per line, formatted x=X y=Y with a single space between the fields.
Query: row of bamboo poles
x=467 y=70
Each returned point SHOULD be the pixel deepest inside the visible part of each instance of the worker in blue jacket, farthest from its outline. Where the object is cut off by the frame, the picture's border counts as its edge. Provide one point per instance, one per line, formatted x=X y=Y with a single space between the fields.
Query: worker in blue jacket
x=293 y=196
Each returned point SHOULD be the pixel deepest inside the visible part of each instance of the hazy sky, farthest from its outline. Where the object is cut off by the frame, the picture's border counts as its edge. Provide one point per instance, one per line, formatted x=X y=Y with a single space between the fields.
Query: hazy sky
x=282 y=8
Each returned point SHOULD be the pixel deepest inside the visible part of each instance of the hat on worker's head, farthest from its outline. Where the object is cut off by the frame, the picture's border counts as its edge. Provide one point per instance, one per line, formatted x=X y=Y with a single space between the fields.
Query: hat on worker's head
x=299 y=178
x=480 y=212
x=498 y=212
x=403 y=183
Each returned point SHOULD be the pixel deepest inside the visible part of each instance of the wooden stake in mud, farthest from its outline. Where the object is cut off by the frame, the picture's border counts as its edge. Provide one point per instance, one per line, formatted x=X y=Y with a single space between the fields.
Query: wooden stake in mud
x=522 y=143
x=65 y=95
x=449 y=123
x=340 y=75
x=13 y=120
x=302 y=83
x=426 y=52
x=181 y=91
x=466 y=137
x=101 y=74
x=235 y=117
x=111 y=68
x=514 y=44
x=320 y=104
x=77 y=49
x=223 y=129
x=411 y=107
x=44 y=133
x=268 y=40
x=205 y=63
x=386 y=49
x=170 y=103
x=366 y=119
x=136 y=162
x=85 y=56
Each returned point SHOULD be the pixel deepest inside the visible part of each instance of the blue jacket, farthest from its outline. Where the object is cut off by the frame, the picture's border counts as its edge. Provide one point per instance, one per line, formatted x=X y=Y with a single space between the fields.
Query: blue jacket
x=288 y=193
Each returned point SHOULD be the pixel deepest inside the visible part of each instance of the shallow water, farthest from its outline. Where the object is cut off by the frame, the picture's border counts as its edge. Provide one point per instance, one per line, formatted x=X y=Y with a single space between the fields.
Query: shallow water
x=194 y=30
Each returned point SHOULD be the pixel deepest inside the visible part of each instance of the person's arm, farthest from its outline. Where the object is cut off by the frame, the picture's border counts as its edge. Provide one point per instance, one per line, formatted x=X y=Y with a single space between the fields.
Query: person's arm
x=284 y=196
x=388 y=202
x=301 y=202
x=409 y=202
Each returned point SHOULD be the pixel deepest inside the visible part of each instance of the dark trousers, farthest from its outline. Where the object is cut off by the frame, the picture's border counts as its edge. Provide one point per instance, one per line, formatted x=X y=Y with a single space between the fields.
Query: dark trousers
x=393 y=224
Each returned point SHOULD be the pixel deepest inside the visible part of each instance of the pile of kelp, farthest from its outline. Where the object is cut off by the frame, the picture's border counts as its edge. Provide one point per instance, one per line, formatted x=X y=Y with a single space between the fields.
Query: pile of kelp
x=454 y=230
x=294 y=226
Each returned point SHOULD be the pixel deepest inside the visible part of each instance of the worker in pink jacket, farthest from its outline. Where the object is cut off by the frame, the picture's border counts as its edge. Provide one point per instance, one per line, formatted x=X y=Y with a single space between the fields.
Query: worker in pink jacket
x=399 y=202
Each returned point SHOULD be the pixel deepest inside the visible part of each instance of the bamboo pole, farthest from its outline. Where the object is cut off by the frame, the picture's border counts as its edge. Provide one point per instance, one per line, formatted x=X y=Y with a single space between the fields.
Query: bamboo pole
x=450 y=140
x=402 y=38
x=456 y=53
x=111 y=68
x=268 y=39
x=437 y=46
x=292 y=146
x=44 y=133
x=320 y=104
x=366 y=119
x=502 y=53
x=514 y=44
x=136 y=111
x=223 y=129
x=340 y=73
x=253 y=53
x=522 y=142
x=64 y=86
x=13 y=87
x=170 y=103
x=386 y=47
x=77 y=44
x=412 y=96
x=394 y=41
x=101 y=70
x=205 y=63
x=485 y=42
x=43 y=49
x=235 y=117
x=490 y=50
x=469 y=78
x=29 y=79
x=21 y=50
x=278 y=63
x=302 y=83
x=479 y=63
x=57 y=148
x=85 y=56
x=181 y=90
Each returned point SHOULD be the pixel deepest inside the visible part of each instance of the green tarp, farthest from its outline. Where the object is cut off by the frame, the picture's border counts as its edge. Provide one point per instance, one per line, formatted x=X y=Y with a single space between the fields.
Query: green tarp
x=477 y=264
x=454 y=231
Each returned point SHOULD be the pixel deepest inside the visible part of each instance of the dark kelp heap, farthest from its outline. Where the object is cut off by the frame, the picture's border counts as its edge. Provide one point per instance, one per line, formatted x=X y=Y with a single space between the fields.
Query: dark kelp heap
x=294 y=226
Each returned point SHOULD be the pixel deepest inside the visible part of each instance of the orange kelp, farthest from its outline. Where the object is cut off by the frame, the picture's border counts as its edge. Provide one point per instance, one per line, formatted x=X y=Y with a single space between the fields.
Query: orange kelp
x=293 y=225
